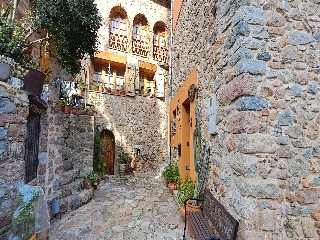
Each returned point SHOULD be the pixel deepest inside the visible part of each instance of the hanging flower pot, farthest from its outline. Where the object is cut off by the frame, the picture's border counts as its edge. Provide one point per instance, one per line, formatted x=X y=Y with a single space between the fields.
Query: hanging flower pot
x=33 y=81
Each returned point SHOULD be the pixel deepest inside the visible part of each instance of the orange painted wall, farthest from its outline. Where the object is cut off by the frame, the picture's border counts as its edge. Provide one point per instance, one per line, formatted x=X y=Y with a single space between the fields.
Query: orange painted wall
x=184 y=132
x=176 y=11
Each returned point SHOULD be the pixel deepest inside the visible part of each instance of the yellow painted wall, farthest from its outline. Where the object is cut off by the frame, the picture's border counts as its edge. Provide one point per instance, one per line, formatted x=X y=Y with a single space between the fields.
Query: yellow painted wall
x=184 y=132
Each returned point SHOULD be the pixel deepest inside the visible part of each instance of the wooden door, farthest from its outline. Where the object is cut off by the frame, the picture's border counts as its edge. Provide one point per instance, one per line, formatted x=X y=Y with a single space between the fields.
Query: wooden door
x=107 y=150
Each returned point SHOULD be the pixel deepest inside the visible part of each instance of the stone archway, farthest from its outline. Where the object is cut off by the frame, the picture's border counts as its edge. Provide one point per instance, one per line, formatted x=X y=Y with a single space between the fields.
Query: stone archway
x=108 y=150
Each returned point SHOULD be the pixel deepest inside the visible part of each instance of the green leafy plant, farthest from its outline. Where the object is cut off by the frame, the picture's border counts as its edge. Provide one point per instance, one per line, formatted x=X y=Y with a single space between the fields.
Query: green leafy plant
x=185 y=189
x=98 y=164
x=13 y=42
x=94 y=87
x=19 y=72
x=60 y=21
x=93 y=176
x=81 y=85
x=171 y=173
x=122 y=158
x=62 y=101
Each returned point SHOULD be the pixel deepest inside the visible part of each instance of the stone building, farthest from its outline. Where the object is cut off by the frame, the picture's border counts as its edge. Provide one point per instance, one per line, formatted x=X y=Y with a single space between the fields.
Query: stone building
x=133 y=57
x=246 y=72
x=255 y=65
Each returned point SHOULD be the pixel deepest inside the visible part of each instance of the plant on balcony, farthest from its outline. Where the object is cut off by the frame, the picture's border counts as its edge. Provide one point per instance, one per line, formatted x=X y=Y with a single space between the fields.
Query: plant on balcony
x=60 y=22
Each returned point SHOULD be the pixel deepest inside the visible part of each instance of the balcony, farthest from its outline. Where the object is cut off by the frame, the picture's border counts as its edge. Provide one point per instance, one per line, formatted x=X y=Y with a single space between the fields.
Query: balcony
x=140 y=47
x=118 y=42
x=161 y=54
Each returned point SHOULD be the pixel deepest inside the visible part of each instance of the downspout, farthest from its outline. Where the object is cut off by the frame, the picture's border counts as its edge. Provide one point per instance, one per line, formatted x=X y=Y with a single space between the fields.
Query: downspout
x=170 y=76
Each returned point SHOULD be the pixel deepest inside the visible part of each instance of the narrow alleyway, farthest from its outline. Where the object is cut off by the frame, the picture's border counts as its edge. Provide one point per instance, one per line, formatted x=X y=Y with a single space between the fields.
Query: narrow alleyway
x=129 y=207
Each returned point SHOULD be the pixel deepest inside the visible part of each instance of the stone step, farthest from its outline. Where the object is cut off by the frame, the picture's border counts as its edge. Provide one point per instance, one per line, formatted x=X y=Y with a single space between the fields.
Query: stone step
x=76 y=200
x=69 y=176
x=72 y=187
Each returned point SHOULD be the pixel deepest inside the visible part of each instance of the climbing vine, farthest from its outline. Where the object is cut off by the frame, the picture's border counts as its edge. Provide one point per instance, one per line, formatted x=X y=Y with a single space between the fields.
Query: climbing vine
x=201 y=157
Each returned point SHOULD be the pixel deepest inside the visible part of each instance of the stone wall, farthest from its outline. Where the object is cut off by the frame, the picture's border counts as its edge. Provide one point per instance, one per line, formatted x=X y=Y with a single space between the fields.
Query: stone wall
x=261 y=58
x=66 y=147
x=14 y=111
x=135 y=121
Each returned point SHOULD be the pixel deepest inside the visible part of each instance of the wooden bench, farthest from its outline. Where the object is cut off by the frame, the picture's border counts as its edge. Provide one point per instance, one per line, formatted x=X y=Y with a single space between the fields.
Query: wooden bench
x=213 y=214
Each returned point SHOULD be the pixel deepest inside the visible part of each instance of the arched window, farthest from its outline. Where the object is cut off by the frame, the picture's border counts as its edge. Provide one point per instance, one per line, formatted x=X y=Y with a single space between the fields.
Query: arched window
x=140 y=32
x=160 y=50
x=118 y=38
x=119 y=26
x=159 y=38
x=140 y=36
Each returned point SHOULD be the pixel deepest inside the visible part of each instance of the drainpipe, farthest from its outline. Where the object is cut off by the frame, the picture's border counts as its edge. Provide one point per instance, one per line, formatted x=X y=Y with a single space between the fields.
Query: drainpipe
x=170 y=74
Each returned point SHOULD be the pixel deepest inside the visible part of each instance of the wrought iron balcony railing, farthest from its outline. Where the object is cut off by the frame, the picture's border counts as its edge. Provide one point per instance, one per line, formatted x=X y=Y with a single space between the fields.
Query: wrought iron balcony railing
x=161 y=54
x=118 y=42
x=140 y=47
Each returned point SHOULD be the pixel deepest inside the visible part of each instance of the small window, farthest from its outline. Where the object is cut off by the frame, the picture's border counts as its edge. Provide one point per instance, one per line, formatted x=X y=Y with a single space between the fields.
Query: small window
x=97 y=75
x=159 y=38
x=140 y=32
x=119 y=26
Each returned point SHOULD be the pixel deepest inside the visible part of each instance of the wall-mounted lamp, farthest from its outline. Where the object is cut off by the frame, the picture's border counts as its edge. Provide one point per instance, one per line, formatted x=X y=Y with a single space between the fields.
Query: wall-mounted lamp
x=190 y=121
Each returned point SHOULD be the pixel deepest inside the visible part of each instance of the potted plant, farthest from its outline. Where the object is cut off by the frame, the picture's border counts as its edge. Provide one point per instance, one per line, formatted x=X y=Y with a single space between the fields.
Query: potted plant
x=61 y=103
x=171 y=175
x=146 y=92
x=68 y=106
x=80 y=87
x=122 y=160
x=186 y=190
x=122 y=91
x=93 y=176
x=87 y=181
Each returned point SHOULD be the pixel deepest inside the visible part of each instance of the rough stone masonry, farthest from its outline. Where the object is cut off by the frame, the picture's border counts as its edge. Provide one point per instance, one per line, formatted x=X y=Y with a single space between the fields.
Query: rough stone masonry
x=261 y=58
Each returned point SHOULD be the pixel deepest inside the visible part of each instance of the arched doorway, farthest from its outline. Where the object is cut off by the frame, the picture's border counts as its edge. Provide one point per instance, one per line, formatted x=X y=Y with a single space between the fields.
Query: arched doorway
x=107 y=150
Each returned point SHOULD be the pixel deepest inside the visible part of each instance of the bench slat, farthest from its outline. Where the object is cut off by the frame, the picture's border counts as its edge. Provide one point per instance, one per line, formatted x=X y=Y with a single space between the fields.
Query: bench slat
x=199 y=225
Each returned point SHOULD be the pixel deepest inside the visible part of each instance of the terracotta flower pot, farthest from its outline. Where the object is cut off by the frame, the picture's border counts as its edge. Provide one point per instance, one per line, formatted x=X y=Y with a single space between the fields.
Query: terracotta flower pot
x=67 y=108
x=190 y=208
x=172 y=186
x=87 y=183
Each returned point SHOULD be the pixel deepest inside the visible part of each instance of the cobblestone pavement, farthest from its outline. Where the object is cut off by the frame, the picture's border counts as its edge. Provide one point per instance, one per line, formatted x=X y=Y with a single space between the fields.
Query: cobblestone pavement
x=129 y=207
